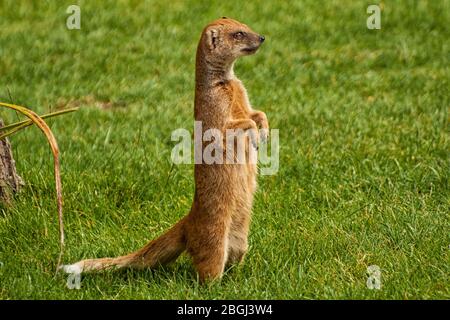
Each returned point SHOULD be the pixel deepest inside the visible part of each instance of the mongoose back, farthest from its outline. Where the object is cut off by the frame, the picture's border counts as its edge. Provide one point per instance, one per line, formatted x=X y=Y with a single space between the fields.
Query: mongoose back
x=215 y=231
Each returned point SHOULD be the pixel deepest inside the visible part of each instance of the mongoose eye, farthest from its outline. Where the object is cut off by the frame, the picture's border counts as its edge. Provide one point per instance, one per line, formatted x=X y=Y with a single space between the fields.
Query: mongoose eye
x=239 y=35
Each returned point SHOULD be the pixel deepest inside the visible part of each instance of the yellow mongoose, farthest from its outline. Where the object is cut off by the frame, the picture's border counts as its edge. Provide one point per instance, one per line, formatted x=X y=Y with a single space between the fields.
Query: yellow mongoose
x=216 y=229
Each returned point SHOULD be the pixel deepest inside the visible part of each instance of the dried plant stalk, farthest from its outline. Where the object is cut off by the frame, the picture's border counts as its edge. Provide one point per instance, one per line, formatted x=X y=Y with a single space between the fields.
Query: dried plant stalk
x=15 y=127
x=55 y=151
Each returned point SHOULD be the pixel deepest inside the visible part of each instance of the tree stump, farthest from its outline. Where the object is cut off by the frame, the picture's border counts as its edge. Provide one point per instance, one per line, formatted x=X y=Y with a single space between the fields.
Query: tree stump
x=10 y=182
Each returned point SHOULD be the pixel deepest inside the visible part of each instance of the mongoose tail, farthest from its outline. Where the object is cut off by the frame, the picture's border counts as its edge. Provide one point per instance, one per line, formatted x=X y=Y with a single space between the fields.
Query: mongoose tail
x=160 y=251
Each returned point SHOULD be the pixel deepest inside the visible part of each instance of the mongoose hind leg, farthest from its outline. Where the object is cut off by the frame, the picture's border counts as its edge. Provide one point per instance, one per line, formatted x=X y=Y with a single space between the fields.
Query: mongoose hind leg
x=237 y=249
x=208 y=249
x=238 y=237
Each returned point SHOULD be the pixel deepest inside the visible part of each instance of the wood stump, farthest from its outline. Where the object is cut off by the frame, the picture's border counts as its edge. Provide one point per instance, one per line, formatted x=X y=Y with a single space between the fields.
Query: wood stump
x=10 y=181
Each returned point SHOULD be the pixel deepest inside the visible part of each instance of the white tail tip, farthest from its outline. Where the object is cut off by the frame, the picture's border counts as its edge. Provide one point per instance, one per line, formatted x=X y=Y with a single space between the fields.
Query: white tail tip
x=72 y=268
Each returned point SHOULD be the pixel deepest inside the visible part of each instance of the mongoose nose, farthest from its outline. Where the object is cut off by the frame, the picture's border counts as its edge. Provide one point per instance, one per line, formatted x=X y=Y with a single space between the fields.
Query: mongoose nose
x=261 y=39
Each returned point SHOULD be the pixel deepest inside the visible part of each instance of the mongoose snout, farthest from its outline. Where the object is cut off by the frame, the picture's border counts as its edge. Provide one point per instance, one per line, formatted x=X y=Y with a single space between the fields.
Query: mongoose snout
x=259 y=39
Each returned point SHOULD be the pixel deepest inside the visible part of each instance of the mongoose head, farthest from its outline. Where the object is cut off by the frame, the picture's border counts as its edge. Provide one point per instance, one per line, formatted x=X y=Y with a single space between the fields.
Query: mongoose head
x=226 y=40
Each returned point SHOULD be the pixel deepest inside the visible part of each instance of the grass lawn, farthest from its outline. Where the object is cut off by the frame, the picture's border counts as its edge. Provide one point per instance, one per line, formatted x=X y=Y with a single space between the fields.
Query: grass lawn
x=364 y=146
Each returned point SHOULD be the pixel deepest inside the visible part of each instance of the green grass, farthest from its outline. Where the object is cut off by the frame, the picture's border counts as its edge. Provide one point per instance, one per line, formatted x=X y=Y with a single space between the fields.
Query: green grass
x=364 y=157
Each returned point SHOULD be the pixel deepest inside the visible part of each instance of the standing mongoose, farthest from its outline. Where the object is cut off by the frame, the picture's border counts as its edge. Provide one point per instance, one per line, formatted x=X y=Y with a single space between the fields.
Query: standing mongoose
x=215 y=231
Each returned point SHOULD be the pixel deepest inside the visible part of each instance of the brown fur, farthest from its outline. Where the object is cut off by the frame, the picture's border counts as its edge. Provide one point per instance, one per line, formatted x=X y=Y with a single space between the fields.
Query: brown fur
x=216 y=229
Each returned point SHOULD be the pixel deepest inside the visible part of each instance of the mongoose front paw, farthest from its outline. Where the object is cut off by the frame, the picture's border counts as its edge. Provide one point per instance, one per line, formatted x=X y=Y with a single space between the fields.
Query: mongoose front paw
x=254 y=137
x=264 y=135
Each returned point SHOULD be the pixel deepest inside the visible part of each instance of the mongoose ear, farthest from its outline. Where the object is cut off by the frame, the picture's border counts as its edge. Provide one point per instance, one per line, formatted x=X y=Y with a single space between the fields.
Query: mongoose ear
x=211 y=38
